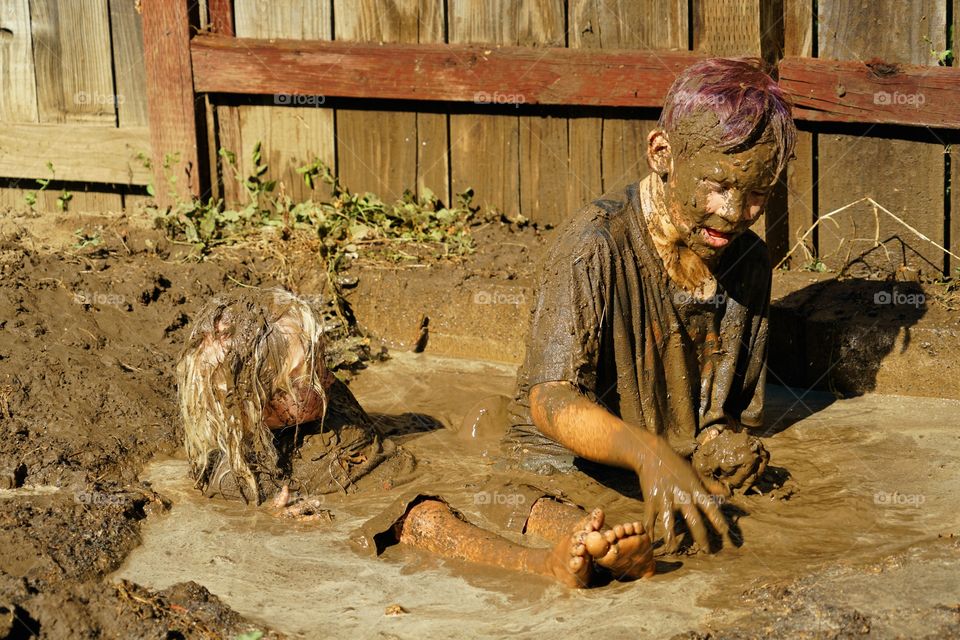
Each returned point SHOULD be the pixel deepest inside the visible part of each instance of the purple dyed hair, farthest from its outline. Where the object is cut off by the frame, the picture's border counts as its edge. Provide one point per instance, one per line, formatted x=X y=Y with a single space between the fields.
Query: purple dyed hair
x=745 y=99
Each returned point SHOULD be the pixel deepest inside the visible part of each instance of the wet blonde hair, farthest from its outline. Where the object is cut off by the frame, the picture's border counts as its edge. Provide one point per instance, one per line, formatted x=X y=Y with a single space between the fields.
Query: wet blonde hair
x=235 y=363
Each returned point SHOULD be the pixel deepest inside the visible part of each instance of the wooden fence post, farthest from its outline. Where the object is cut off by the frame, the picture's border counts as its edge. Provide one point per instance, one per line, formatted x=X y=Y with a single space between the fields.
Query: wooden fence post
x=170 y=97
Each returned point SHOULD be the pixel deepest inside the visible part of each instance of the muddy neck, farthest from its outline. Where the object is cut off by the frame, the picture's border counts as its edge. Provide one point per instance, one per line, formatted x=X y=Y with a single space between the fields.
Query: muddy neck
x=684 y=267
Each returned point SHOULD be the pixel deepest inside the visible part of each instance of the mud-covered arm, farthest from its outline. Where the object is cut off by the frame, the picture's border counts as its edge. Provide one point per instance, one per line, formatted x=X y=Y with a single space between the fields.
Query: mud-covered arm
x=668 y=481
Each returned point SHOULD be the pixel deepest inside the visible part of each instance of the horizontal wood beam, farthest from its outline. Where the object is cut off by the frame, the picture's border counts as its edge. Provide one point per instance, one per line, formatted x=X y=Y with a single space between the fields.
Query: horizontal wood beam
x=853 y=91
x=823 y=90
x=79 y=153
x=435 y=72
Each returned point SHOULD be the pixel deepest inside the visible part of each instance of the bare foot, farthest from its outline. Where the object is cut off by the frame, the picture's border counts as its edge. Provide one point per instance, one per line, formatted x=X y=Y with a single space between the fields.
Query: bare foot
x=571 y=560
x=629 y=554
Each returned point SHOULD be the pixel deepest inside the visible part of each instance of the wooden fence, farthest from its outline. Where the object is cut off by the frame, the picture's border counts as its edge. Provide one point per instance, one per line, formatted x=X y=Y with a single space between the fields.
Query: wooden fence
x=538 y=105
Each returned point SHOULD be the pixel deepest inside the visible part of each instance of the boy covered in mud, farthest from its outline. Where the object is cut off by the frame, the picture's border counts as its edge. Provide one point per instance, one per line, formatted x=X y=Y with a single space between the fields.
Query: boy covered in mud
x=648 y=333
x=253 y=364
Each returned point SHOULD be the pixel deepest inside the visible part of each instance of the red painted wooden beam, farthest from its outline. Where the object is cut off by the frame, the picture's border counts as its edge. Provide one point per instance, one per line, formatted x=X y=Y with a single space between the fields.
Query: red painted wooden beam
x=872 y=92
x=170 y=98
x=435 y=72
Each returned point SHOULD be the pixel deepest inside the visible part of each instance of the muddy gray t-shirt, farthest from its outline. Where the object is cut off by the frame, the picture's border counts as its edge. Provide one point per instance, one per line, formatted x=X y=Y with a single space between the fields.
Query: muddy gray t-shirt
x=608 y=319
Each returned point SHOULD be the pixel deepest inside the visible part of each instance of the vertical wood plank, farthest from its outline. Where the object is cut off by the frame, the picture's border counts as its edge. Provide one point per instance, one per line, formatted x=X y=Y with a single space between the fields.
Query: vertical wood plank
x=18 y=83
x=290 y=136
x=18 y=92
x=544 y=144
x=221 y=17
x=621 y=24
x=905 y=177
x=954 y=223
x=126 y=30
x=484 y=149
x=379 y=151
x=783 y=232
x=71 y=48
x=172 y=110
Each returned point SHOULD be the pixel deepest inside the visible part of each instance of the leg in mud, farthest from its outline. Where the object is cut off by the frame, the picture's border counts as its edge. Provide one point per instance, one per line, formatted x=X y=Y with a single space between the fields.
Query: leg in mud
x=432 y=526
x=629 y=555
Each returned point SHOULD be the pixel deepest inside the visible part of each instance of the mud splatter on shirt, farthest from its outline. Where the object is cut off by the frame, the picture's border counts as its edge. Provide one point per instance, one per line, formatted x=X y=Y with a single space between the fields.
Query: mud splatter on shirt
x=607 y=318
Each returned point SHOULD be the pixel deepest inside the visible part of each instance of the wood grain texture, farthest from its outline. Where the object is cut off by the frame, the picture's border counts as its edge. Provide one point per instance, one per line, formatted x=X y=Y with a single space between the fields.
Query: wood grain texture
x=953 y=224
x=18 y=83
x=290 y=136
x=801 y=205
x=854 y=91
x=905 y=177
x=71 y=49
x=544 y=144
x=648 y=26
x=485 y=149
x=79 y=153
x=129 y=69
x=551 y=76
x=379 y=150
x=172 y=109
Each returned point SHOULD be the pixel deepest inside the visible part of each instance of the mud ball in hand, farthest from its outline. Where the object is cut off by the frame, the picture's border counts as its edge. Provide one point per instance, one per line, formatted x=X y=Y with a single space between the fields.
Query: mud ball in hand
x=735 y=458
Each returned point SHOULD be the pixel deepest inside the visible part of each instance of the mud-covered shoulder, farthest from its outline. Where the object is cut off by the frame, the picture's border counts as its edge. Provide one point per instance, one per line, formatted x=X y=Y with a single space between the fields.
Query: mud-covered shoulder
x=593 y=228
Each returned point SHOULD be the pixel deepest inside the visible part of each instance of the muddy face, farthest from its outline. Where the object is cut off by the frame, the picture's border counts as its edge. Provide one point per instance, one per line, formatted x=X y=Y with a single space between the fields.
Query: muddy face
x=710 y=195
x=714 y=196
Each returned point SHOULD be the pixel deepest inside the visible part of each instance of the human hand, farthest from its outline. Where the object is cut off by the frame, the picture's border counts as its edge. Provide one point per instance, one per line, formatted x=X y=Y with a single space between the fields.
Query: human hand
x=671 y=485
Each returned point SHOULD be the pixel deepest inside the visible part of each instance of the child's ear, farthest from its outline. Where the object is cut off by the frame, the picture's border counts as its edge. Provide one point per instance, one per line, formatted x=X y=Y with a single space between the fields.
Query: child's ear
x=659 y=153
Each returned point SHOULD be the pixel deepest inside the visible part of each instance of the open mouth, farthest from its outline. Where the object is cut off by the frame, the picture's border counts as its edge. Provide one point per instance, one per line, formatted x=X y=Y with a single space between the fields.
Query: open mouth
x=716 y=238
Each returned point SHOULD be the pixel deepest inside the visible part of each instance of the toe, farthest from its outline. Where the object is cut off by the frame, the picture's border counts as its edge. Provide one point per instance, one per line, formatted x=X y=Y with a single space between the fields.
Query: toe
x=618 y=530
x=597 y=545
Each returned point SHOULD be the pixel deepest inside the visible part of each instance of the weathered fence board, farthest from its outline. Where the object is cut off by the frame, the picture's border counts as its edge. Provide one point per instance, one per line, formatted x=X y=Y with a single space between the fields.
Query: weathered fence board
x=543 y=144
x=290 y=135
x=172 y=110
x=78 y=153
x=654 y=26
x=126 y=28
x=904 y=176
x=623 y=78
x=71 y=48
x=378 y=150
x=798 y=28
x=18 y=84
x=485 y=149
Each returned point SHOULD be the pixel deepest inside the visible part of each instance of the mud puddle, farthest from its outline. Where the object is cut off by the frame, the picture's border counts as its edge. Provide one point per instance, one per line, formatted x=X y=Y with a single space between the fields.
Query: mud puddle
x=866 y=530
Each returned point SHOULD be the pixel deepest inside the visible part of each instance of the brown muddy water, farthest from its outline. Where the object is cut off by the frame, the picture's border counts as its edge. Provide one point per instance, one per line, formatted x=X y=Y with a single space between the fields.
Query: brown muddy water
x=862 y=541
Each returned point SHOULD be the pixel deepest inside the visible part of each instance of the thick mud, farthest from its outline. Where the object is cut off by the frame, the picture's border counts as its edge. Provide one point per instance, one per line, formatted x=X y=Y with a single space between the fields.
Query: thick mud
x=859 y=540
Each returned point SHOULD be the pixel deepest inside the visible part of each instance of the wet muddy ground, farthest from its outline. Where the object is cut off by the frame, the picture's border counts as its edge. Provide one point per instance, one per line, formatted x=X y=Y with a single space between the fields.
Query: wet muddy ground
x=92 y=490
x=862 y=541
